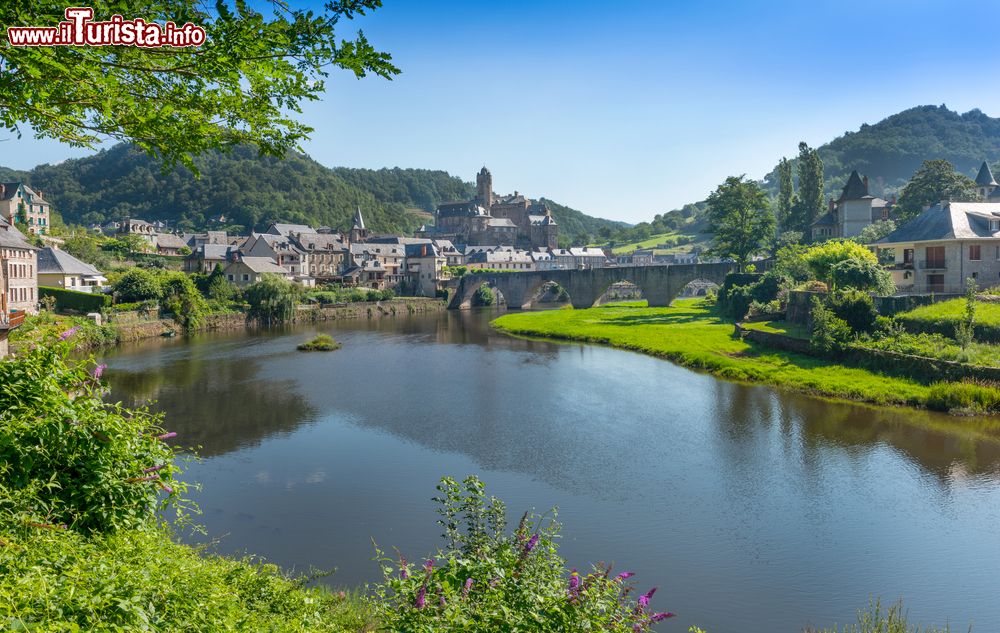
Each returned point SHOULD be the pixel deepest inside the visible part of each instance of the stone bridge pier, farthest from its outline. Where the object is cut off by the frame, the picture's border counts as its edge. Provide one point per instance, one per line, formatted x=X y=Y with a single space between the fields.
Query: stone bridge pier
x=660 y=285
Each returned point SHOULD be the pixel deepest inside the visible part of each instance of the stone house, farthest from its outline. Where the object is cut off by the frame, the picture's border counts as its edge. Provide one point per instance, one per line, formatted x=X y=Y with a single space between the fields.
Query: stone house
x=59 y=269
x=326 y=254
x=205 y=257
x=18 y=271
x=244 y=271
x=424 y=267
x=587 y=257
x=143 y=229
x=945 y=245
x=19 y=203
x=169 y=244
x=280 y=248
x=500 y=259
x=852 y=212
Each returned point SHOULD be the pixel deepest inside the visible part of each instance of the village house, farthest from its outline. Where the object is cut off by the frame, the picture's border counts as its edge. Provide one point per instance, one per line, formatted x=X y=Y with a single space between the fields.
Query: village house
x=18 y=271
x=587 y=257
x=500 y=259
x=852 y=212
x=325 y=254
x=945 y=245
x=143 y=229
x=170 y=244
x=424 y=268
x=244 y=270
x=205 y=257
x=59 y=269
x=284 y=251
x=20 y=204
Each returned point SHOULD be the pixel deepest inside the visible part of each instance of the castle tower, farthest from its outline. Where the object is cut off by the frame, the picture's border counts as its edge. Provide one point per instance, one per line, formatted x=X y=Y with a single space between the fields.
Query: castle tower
x=484 y=189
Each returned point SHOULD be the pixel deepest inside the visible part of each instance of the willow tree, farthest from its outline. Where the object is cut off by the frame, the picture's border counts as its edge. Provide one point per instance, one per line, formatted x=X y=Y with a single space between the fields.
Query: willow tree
x=244 y=84
x=740 y=220
x=272 y=299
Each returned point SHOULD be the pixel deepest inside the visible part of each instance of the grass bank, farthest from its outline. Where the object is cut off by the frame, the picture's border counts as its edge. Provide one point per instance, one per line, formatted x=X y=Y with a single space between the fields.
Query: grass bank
x=690 y=334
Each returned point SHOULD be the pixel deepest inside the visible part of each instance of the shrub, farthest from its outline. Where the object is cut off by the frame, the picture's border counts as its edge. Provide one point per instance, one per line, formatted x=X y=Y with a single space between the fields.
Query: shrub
x=814 y=286
x=487 y=580
x=69 y=458
x=272 y=299
x=181 y=297
x=821 y=258
x=830 y=333
x=321 y=343
x=854 y=307
x=137 y=284
x=862 y=274
x=74 y=300
x=484 y=296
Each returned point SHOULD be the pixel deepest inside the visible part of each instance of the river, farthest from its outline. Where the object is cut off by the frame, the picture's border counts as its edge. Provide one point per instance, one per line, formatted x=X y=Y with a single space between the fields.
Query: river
x=752 y=509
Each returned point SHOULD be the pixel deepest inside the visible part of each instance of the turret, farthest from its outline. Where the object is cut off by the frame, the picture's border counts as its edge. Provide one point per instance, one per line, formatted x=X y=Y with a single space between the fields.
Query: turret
x=985 y=182
x=484 y=189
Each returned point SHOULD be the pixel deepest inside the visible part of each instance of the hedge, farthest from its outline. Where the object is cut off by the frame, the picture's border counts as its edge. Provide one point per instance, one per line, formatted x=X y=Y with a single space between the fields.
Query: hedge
x=74 y=300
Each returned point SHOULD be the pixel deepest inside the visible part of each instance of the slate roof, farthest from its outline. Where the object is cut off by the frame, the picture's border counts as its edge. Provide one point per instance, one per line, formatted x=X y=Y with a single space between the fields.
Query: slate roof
x=263 y=265
x=359 y=221
x=422 y=250
x=985 y=177
x=10 y=189
x=854 y=189
x=827 y=219
x=948 y=221
x=10 y=237
x=502 y=222
x=169 y=240
x=320 y=242
x=467 y=208
x=51 y=260
x=278 y=228
x=210 y=251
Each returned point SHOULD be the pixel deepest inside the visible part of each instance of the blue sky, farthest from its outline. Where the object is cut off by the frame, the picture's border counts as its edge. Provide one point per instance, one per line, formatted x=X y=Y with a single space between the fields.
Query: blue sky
x=625 y=110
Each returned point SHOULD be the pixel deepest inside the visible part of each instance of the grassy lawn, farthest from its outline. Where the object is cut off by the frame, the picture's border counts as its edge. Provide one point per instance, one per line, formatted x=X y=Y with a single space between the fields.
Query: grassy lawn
x=953 y=310
x=691 y=335
x=779 y=327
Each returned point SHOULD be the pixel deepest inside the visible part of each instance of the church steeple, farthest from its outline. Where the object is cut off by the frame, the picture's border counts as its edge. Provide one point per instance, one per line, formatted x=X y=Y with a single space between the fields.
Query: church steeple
x=358 y=232
x=985 y=181
x=359 y=222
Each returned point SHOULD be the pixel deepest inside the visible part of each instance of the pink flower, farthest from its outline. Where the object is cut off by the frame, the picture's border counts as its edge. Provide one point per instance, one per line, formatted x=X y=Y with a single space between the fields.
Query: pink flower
x=429 y=565
x=421 y=595
x=624 y=575
x=166 y=436
x=661 y=616
x=468 y=586
x=153 y=469
x=644 y=598
x=166 y=488
x=68 y=333
x=530 y=545
x=99 y=371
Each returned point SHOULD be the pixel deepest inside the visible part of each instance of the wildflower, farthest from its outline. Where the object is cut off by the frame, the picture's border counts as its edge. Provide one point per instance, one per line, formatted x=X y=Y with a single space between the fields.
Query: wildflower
x=441 y=598
x=404 y=571
x=68 y=333
x=166 y=436
x=166 y=488
x=421 y=596
x=574 y=583
x=468 y=586
x=99 y=371
x=661 y=616
x=624 y=575
x=644 y=600
x=153 y=469
x=429 y=565
x=530 y=545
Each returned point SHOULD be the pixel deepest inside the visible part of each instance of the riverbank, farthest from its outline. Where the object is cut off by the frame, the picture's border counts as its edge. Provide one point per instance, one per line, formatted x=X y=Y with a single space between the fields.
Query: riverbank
x=130 y=328
x=691 y=334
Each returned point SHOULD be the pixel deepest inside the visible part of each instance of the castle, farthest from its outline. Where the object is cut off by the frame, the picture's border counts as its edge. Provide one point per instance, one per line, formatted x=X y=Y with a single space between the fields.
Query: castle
x=488 y=219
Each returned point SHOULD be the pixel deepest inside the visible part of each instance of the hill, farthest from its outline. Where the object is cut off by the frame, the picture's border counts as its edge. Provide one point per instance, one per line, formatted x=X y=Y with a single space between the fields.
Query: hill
x=251 y=191
x=889 y=152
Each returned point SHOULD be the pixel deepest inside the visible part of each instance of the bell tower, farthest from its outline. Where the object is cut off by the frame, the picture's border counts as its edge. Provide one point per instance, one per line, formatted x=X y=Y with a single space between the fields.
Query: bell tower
x=484 y=189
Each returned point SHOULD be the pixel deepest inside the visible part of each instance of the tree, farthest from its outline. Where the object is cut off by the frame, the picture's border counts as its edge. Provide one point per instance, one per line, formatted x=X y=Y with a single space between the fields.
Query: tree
x=180 y=297
x=823 y=257
x=272 y=299
x=740 y=220
x=137 y=285
x=786 y=193
x=936 y=180
x=243 y=85
x=862 y=274
x=875 y=231
x=809 y=202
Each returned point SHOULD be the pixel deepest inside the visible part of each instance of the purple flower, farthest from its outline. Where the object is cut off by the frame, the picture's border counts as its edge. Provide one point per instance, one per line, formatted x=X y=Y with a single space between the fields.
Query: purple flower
x=153 y=469
x=166 y=436
x=68 y=333
x=574 y=583
x=661 y=616
x=530 y=545
x=99 y=371
x=429 y=565
x=468 y=586
x=644 y=598
x=404 y=572
x=421 y=595
x=166 y=488
x=441 y=597
x=624 y=575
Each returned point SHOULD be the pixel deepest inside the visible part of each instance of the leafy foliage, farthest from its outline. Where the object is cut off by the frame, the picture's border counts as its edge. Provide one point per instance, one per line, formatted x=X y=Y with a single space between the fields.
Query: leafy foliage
x=821 y=258
x=936 y=180
x=862 y=274
x=243 y=85
x=855 y=308
x=272 y=299
x=875 y=231
x=484 y=296
x=136 y=285
x=830 y=333
x=320 y=343
x=740 y=220
x=487 y=580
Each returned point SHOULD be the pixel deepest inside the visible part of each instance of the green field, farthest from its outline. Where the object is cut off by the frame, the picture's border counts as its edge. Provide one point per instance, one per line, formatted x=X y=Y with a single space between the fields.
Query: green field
x=662 y=238
x=953 y=311
x=690 y=334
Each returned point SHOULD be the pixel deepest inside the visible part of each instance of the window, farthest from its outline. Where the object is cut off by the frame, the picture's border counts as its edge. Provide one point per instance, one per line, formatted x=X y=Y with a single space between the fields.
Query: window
x=994 y=226
x=908 y=255
x=231 y=277
x=975 y=252
x=934 y=257
x=246 y=277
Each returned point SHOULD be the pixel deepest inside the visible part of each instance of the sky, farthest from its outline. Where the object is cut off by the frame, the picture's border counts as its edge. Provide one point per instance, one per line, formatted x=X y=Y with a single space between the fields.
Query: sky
x=628 y=109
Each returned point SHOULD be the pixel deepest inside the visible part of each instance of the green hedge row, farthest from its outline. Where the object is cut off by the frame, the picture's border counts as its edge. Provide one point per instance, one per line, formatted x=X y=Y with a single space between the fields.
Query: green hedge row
x=74 y=300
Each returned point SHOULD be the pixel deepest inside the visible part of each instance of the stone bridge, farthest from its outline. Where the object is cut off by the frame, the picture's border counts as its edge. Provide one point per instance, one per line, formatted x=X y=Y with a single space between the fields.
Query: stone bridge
x=659 y=284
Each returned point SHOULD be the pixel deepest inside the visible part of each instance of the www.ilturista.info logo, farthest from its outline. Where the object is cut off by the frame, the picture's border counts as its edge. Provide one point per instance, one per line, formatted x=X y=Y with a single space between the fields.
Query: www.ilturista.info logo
x=79 y=29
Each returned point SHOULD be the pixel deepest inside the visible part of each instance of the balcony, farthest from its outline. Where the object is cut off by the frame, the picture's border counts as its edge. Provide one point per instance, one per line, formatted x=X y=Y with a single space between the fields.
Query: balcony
x=932 y=264
x=12 y=320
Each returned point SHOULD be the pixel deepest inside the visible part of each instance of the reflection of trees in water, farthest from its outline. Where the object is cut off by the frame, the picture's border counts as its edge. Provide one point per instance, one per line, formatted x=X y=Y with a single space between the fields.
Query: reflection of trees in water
x=934 y=441
x=220 y=405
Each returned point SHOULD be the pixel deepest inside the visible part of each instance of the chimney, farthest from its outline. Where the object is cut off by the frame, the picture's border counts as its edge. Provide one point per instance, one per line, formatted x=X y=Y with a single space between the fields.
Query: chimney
x=830 y=205
x=39 y=192
x=865 y=180
x=3 y=189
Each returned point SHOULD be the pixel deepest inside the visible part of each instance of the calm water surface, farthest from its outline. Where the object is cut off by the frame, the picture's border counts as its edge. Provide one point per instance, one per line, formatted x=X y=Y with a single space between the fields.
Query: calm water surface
x=754 y=510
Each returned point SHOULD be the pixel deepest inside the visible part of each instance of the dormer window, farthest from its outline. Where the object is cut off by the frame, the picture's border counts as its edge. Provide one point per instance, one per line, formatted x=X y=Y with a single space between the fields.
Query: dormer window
x=994 y=226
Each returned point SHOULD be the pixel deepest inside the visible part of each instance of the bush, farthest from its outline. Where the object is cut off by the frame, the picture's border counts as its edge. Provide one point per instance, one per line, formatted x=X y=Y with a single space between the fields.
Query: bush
x=69 y=458
x=321 y=343
x=736 y=294
x=487 y=580
x=854 y=307
x=862 y=274
x=829 y=332
x=137 y=284
x=74 y=300
x=814 y=286
x=821 y=258
x=181 y=297
x=484 y=296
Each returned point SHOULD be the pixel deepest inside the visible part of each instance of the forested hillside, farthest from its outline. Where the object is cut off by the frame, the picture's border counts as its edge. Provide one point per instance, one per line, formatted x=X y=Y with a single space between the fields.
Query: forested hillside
x=252 y=191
